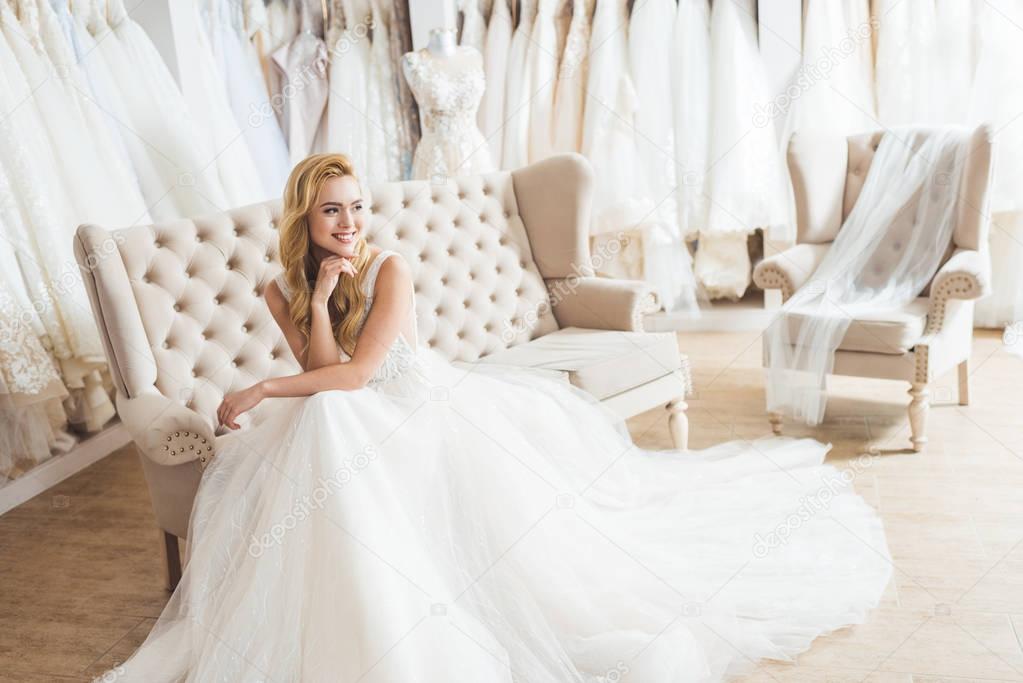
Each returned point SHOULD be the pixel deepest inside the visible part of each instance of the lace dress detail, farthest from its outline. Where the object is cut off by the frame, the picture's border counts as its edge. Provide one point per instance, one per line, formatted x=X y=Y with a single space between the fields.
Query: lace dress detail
x=448 y=91
x=402 y=360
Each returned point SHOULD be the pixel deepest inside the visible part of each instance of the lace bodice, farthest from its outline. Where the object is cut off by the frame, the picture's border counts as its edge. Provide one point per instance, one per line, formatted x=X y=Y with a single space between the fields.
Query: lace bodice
x=448 y=91
x=401 y=358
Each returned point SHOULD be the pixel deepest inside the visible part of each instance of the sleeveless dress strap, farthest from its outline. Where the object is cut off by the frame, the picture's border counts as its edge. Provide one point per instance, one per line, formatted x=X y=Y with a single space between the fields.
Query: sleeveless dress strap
x=369 y=284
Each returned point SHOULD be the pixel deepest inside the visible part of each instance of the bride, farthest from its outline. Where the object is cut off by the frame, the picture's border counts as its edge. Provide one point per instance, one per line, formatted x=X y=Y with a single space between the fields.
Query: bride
x=386 y=516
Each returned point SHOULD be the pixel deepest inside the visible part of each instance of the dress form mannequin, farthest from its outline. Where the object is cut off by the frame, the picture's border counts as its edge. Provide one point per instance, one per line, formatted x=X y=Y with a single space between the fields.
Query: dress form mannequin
x=447 y=81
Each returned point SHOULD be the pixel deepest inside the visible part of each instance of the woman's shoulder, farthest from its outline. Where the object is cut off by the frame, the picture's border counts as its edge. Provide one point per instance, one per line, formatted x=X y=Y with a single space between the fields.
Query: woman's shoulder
x=388 y=268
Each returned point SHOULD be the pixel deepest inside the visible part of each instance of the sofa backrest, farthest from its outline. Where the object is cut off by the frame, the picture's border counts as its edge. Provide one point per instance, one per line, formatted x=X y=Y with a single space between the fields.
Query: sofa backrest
x=179 y=304
x=828 y=172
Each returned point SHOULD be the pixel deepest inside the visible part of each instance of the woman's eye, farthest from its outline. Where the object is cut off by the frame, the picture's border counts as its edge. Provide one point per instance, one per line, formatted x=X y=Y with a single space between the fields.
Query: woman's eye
x=331 y=210
x=358 y=207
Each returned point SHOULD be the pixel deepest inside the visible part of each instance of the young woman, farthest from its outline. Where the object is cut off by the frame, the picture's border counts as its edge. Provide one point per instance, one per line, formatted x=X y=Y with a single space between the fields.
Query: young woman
x=389 y=517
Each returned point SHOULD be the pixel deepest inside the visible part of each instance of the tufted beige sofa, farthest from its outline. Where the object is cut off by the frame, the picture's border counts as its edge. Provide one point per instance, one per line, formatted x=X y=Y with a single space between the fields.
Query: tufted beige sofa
x=933 y=333
x=502 y=275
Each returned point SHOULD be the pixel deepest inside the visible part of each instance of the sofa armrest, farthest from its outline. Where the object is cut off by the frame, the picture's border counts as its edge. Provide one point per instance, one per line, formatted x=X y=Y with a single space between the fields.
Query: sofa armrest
x=791 y=269
x=599 y=303
x=965 y=276
x=167 y=432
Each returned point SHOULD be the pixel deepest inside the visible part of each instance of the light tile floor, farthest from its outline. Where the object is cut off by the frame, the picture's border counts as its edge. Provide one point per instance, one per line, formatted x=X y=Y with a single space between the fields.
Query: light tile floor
x=80 y=573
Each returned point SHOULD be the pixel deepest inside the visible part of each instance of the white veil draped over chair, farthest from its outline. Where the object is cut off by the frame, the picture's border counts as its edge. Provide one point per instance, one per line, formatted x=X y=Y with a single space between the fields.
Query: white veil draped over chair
x=886 y=253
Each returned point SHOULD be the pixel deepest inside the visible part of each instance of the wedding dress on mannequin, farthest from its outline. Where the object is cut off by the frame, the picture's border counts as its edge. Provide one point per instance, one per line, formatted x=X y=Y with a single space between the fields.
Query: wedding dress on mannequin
x=886 y=252
x=492 y=525
x=515 y=151
x=570 y=93
x=495 y=66
x=746 y=181
x=542 y=65
x=447 y=81
x=691 y=97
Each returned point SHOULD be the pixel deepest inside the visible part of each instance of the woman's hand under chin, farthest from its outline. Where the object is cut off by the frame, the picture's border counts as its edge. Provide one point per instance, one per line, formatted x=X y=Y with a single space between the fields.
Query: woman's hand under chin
x=237 y=402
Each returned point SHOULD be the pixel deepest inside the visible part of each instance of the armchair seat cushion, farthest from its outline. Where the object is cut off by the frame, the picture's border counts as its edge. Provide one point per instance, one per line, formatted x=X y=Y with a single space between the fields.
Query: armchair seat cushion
x=891 y=332
x=602 y=362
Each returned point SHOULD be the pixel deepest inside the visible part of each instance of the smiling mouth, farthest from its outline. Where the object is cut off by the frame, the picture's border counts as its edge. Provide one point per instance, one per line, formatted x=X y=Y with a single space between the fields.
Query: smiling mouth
x=344 y=236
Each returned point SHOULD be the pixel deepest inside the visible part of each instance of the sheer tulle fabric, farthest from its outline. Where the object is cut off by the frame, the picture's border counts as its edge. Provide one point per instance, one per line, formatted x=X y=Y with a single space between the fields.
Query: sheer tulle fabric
x=489 y=524
x=887 y=251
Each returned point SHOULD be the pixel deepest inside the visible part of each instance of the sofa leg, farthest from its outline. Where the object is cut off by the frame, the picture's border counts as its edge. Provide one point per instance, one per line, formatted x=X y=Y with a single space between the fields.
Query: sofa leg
x=678 y=423
x=964 y=383
x=172 y=558
x=918 y=407
x=775 y=420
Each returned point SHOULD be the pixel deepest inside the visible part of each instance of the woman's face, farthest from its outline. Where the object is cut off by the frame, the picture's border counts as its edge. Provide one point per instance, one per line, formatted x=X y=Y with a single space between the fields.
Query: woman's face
x=337 y=218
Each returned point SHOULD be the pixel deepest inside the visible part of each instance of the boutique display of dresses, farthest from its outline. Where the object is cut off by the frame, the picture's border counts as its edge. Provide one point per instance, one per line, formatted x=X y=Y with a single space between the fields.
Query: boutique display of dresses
x=94 y=128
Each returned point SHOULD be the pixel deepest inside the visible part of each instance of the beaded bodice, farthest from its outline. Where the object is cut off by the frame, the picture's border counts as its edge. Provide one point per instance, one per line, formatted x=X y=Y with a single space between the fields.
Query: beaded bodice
x=448 y=91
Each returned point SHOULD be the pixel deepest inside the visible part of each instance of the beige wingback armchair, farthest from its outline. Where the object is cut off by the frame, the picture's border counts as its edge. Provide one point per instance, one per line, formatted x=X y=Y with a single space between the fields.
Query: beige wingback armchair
x=933 y=333
x=502 y=274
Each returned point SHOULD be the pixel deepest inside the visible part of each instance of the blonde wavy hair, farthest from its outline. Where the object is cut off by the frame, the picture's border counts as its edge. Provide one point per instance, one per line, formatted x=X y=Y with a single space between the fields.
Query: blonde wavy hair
x=346 y=305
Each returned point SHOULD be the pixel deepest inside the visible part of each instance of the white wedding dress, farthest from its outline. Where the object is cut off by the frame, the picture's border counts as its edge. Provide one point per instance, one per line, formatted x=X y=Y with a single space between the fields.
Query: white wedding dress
x=448 y=90
x=495 y=65
x=485 y=525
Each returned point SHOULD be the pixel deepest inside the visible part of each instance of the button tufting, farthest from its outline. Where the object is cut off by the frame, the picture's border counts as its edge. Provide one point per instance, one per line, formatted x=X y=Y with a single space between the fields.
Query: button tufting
x=198 y=238
x=165 y=345
x=234 y=364
x=177 y=307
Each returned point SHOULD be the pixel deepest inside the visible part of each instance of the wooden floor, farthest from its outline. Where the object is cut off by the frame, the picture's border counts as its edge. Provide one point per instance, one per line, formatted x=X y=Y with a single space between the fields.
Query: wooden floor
x=81 y=582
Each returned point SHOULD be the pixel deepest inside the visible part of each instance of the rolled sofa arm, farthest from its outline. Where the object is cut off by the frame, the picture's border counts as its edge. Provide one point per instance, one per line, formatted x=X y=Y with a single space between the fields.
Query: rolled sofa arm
x=791 y=269
x=965 y=276
x=600 y=303
x=167 y=432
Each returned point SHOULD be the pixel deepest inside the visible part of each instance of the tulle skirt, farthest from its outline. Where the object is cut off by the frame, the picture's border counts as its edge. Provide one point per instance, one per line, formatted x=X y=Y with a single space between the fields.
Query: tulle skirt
x=487 y=524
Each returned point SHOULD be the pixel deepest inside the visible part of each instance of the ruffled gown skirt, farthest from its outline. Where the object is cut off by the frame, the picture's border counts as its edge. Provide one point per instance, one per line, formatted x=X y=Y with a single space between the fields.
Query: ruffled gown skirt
x=492 y=525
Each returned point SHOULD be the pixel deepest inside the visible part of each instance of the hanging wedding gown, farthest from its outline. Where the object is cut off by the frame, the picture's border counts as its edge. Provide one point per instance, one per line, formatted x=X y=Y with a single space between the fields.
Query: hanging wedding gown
x=542 y=65
x=238 y=66
x=746 y=181
x=998 y=99
x=691 y=96
x=302 y=64
x=203 y=87
x=474 y=25
x=888 y=250
x=386 y=79
x=836 y=79
x=43 y=153
x=906 y=60
x=515 y=150
x=375 y=169
x=188 y=178
x=570 y=93
x=650 y=49
x=495 y=67
x=448 y=90
x=446 y=524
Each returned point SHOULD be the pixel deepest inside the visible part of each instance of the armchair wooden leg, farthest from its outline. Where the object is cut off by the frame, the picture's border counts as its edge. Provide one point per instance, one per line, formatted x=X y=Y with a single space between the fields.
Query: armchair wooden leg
x=678 y=423
x=775 y=420
x=172 y=558
x=964 y=383
x=918 y=407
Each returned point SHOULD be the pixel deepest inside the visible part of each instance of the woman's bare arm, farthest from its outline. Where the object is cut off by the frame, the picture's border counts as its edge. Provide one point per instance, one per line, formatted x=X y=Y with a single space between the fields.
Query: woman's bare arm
x=322 y=351
x=390 y=310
